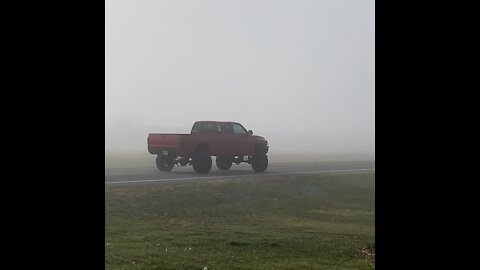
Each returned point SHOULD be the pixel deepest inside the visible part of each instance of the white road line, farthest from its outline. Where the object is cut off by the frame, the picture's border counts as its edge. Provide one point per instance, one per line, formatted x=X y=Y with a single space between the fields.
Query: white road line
x=232 y=176
x=130 y=173
x=154 y=169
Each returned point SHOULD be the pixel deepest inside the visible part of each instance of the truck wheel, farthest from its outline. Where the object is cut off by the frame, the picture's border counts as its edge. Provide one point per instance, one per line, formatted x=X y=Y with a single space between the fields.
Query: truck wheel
x=259 y=162
x=202 y=163
x=164 y=163
x=224 y=163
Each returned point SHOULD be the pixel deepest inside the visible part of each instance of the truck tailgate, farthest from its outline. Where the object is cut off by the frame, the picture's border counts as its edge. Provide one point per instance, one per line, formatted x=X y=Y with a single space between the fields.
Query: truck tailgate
x=163 y=141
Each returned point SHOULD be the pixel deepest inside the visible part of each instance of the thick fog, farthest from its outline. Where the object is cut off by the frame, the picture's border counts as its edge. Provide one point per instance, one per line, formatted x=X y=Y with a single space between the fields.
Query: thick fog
x=300 y=73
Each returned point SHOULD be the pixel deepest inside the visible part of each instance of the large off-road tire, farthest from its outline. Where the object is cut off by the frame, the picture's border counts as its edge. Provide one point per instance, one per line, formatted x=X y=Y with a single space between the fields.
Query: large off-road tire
x=224 y=163
x=165 y=163
x=202 y=162
x=259 y=162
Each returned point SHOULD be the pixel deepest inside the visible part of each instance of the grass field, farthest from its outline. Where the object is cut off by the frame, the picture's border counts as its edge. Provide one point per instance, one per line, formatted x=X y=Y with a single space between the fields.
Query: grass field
x=294 y=222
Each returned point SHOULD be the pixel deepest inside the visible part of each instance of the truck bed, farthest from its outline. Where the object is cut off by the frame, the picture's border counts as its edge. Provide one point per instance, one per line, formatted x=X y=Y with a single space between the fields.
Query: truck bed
x=164 y=141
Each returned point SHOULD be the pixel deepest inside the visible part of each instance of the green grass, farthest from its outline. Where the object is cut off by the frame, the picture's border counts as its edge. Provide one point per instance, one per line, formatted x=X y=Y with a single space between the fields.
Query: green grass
x=296 y=222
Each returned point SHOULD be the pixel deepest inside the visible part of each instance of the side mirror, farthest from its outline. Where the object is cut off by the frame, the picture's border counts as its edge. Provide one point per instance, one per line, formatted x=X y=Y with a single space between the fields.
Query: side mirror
x=250 y=132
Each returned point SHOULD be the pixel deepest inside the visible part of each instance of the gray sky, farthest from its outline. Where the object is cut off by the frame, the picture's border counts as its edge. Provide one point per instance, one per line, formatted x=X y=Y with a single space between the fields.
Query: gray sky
x=300 y=73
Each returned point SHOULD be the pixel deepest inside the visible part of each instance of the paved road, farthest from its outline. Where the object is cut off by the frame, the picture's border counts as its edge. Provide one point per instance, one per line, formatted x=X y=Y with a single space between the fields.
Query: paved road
x=129 y=176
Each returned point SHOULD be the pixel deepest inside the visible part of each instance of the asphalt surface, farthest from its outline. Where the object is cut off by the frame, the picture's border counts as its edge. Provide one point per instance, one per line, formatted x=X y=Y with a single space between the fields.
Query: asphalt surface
x=150 y=175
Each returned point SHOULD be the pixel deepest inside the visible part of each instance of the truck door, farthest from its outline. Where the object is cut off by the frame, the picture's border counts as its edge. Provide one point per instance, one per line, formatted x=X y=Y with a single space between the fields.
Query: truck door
x=207 y=133
x=227 y=140
x=214 y=138
x=241 y=142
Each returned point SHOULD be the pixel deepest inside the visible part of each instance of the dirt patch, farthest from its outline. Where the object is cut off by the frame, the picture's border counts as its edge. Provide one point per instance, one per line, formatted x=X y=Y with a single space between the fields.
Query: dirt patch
x=368 y=250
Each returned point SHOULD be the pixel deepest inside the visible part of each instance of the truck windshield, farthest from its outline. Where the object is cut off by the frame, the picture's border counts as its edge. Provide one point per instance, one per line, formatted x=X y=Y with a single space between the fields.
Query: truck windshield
x=238 y=129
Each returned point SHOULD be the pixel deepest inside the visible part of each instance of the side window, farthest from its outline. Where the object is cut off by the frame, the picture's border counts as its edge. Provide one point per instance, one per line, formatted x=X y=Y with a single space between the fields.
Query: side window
x=212 y=128
x=238 y=129
x=198 y=128
x=227 y=128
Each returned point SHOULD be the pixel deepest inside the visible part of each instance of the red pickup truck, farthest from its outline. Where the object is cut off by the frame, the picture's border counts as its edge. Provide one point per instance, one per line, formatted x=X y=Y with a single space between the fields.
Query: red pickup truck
x=230 y=142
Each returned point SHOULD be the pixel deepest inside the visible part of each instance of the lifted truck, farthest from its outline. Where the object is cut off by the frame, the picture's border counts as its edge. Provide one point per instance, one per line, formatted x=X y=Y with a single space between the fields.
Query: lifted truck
x=230 y=142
